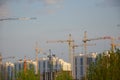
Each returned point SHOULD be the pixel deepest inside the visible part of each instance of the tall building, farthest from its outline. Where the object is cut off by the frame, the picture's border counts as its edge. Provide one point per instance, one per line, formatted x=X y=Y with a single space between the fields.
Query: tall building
x=82 y=61
x=51 y=65
x=47 y=66
x=9 y=71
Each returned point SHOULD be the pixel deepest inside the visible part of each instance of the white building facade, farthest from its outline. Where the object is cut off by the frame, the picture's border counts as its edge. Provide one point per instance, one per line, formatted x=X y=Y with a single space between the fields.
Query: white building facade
x=51 y=65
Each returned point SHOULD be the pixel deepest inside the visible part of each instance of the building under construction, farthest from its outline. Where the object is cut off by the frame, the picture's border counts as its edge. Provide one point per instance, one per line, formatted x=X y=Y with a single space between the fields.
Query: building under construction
x=47 y=67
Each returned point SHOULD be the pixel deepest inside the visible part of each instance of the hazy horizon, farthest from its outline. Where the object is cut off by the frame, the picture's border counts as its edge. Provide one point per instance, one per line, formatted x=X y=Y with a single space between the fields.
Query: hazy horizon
x=55 y=20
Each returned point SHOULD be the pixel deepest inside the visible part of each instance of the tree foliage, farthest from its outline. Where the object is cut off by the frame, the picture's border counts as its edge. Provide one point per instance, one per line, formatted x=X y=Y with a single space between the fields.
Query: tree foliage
x=106 y=67
x=63 y=75
x=28 y=75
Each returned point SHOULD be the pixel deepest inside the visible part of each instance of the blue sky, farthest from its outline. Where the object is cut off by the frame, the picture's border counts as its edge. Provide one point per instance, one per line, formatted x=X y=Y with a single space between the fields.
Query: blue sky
x=55 y=20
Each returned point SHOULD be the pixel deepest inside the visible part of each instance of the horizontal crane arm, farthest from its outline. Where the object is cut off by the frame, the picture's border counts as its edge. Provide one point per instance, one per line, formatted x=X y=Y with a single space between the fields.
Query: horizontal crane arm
x=106 y=37
x=59 y=41
x=8 y=57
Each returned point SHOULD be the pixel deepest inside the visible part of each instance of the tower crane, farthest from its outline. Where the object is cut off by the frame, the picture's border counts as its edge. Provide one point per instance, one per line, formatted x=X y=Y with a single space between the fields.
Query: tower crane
x=70 y=42
x=85 y=44
x=37 y=50
x=75 y=46
x=91 y=39
x=113 y=45
x=98 y=38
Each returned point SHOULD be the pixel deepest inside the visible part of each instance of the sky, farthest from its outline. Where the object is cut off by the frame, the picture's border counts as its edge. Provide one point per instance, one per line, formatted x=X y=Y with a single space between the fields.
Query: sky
x=55 y=20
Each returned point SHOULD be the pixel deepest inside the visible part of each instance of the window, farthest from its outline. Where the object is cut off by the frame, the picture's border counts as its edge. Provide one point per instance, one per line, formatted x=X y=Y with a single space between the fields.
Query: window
x=89 y=60
x=19 y=66
x=81 y=70
x=75 y=61
x=81 y=61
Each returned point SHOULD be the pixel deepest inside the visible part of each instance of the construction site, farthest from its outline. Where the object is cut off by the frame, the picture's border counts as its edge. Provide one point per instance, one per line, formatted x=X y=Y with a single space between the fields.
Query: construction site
x=59 y=39
x=50 y=66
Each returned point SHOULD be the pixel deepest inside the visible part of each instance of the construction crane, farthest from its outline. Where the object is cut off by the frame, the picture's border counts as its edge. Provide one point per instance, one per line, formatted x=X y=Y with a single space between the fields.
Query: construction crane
x=21 y=18
x=85 y=40
x=113 y=44
x=37 y=50
x=70 y=43
x=75 y=46
x=91 y=39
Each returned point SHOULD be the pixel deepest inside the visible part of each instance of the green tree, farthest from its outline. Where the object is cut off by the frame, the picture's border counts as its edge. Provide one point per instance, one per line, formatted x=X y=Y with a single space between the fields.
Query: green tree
x=106 y=67
x=28 y=75
x=63 y=75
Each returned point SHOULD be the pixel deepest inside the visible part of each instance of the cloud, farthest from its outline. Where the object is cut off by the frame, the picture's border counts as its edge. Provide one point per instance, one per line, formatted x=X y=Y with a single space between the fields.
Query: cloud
x=4 y=9
x=2 y=2
x=48 y=2
x=49 y=6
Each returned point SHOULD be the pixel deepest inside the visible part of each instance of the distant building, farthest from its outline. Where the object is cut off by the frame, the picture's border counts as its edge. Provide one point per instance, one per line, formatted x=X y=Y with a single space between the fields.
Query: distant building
x=82 y=61
x=51 y=65
x=48 y=67
x=9 y=72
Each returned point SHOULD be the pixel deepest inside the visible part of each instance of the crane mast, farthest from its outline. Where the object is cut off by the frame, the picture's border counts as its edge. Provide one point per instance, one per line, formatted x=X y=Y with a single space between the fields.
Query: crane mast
x=37 y=52
x=70 y=43
x=113 y=44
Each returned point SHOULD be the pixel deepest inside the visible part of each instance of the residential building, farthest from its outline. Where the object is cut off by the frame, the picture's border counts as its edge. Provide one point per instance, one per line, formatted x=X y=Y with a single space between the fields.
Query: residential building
x=82 y=61
x=51 y=65
x=9 y=71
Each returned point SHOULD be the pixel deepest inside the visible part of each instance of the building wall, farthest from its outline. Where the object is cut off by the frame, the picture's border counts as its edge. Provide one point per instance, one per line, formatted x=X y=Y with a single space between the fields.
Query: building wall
x=49 y=67
x=81 y=63
x=46 y=66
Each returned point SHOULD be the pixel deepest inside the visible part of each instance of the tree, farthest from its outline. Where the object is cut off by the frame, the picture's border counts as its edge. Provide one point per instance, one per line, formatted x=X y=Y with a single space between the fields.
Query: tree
x=28 y=75
x=106 y=67
x=63 y=75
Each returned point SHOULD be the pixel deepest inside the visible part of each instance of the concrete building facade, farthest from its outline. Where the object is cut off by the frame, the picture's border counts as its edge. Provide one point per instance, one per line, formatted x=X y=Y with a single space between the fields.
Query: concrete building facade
x=82 y=61
x=48 y=67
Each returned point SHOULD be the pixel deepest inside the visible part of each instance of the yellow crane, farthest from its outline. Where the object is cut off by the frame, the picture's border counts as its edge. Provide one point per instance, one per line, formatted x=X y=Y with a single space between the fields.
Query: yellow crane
x=91 y=39
x=75 y=46
x=113 y=44
x=85 y=40
x=70 y=43
x=37 y=51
